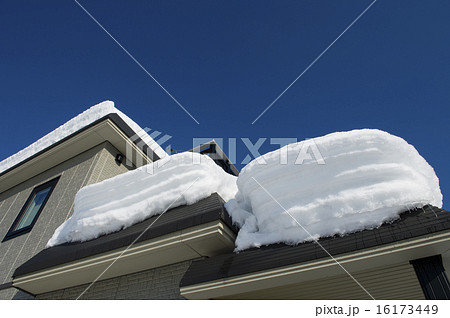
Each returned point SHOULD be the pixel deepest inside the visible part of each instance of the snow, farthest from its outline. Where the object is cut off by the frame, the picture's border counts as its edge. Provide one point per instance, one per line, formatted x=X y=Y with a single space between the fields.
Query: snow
x=129 y=198
x=332 y=185
x=75 y=124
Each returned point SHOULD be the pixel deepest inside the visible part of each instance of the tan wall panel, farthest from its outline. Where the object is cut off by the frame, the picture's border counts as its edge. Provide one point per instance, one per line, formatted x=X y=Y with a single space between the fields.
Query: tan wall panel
x=393 y=282
x=91 y=166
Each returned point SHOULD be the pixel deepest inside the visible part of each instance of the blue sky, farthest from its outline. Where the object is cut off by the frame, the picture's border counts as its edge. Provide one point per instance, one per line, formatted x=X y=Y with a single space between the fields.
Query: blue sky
x=226 y=61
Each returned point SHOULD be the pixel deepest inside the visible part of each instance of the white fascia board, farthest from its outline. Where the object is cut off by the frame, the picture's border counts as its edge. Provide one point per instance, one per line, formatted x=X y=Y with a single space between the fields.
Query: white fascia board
x=106 y=130
x=205 y=240
x=74 y=125
x=395 y=253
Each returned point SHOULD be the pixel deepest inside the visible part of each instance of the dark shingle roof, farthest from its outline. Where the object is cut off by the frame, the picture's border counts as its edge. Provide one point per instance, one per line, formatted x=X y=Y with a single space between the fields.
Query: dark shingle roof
x=411 y=224
x=179 y=218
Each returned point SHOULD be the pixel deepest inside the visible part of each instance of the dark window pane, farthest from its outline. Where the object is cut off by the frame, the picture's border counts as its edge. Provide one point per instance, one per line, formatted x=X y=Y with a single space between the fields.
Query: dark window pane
x=30 y=211
x=33 y=208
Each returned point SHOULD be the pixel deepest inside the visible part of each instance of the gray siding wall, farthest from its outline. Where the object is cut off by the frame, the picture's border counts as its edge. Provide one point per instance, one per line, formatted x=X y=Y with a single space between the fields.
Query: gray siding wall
x=92 y=166
x=12 y=293
x=157 y=283
x=106 y=166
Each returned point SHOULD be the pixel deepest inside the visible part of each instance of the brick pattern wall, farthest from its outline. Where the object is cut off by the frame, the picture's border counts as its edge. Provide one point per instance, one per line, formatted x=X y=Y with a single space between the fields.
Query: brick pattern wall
x=91 y=166
x=106 y=166
x=12 y=293
x=7 y=293
x=157 y=283
x=74 y=174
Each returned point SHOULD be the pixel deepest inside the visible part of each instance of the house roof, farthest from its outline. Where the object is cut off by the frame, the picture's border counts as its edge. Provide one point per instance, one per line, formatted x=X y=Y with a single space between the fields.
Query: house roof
x=411 y=224
x=111 y=128
x=115 y=118
x=213 y=150
x=176 y=219
x=80 y=123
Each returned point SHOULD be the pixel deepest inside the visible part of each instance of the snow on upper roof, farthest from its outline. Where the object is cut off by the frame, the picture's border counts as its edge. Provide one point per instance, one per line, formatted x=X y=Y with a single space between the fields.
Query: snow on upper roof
x=134 y=196
x=367 y=177
x=75 y=124
x=332 y=185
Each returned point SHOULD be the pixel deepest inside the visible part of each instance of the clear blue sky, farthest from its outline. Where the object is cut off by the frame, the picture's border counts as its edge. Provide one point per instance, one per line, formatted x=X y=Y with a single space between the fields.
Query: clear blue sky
x=226 y=61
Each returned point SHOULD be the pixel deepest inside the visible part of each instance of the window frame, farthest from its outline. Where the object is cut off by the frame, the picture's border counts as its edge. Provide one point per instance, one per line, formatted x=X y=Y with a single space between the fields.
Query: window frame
x=12 y=232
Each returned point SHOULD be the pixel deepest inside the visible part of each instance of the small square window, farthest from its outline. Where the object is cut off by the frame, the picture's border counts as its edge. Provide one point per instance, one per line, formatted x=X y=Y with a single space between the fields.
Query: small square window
x=31 y=210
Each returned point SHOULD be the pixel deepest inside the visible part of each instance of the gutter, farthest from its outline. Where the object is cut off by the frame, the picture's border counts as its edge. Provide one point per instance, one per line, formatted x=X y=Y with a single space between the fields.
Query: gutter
x=395 y=253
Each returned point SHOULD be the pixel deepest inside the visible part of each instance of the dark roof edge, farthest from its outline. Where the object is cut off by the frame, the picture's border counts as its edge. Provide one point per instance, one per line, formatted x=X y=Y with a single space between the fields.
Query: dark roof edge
x=411 y=224
x=115 y=118
x=219 y=153
x=206 y=210
x=6 y=285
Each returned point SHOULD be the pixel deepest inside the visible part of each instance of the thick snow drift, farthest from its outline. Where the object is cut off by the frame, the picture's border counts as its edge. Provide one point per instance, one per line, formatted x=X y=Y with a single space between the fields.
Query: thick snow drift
x=82 y=120
x=332 y=185
x=367 y=177
x=134 y=196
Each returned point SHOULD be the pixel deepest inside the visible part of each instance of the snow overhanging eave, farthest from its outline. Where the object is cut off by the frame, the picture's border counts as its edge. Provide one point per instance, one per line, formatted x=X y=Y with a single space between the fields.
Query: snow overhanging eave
x=111 y=128
x=204 y=240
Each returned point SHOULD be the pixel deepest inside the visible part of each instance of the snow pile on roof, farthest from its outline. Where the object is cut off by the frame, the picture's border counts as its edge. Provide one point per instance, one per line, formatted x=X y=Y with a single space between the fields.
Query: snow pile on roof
x=132 y=197
x=82 y=120
x=367 y=177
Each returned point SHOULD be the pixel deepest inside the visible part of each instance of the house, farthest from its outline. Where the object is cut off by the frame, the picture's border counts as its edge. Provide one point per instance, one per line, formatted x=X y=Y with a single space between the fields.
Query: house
x=188 y=251
x=406 y=259
x=38 y=184
x=38 y=188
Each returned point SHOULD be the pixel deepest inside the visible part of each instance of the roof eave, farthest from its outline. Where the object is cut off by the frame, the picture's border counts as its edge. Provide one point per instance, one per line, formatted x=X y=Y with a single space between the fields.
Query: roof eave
x=109 y=128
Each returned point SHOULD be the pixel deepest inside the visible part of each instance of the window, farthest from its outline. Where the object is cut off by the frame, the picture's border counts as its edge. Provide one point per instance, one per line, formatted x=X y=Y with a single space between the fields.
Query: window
x=31 y=210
